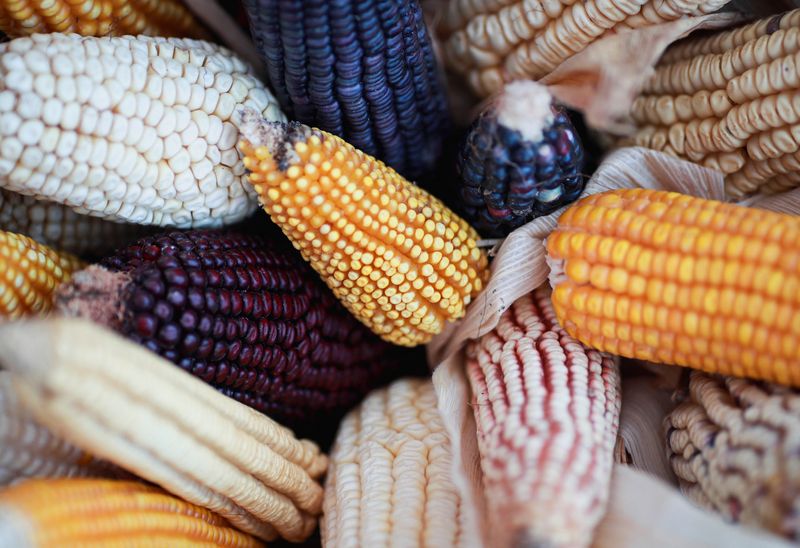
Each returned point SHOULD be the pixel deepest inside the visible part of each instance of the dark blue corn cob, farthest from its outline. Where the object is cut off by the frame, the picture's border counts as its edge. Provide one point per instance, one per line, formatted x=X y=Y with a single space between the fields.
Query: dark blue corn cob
x=522 y=158
x=361 y=69
x=248 y=316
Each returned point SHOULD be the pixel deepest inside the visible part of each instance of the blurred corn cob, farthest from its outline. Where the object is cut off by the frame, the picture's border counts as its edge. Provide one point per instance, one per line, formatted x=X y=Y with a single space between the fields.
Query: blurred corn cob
x=389 y=482
x=729 y=102
x=85 y=383
x=58 y=226
x=29 y=274
x=492 y=42
x=547 y=412
x=733 y=444
x=399 y=259
x=98 y=17
x=245 y=315
x=665 y=277
x=94 y=512
x=131 y=129
x=363 y=70
x=522 y=158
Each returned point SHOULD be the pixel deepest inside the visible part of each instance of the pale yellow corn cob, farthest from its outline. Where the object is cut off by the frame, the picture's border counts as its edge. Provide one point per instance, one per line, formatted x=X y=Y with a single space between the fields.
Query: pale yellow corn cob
x=98 y=512
x=734 y=444
x=492 y=42
x=86 y=383
x=730 y=102
x=98 y=17
x=133 y=129
x=60 y=227
x=389 y=482
x=547 y=411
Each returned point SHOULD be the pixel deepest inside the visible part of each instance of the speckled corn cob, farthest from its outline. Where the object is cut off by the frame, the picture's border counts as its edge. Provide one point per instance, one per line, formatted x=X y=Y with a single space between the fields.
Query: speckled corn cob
x=361 y=69
x=522 y=158
x=85 y=383
x=97 y=17
x=491 y=42
x=29 y=274
x=665 y=277
x=547 y=412
x=29 y=449
x=733 y=444
x=94 y=512
x=389 y=482
x=245 y=315
x=729 y=102
x=60 y=227
x=399 y=259
x=131 y=129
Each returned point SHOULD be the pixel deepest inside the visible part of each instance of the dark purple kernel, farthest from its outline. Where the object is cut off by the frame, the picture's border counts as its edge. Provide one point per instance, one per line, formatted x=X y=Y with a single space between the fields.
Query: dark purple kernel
x=176 y=276
x=146 y=325
x=142 y=300
x=163 y=311
x=169 y=335
x=176 y=296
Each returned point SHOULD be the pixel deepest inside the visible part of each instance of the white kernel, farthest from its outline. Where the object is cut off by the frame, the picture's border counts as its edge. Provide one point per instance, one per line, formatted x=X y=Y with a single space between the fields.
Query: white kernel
x=214 y=130
x=88 y=120
x=83 y=150
x=138 y=173
x=167 y=124
x=206 y=77
x=66 y=90
x=138 y=77
x=124 y=77
x=19 y=81
x=202 y=168
x=153 y=87
x=191 y=73
x=98 y=177
x=216 y=198
x=100 y=98
x=166 y=181
x=128 y=160
x=135 y=128
x=123 y=55
x=158 y=66
x=51 y=186
x=210 y=100
x=146 y=139
x=229 y=157
x=180 y=162
x=168 y=92
x=127 y=105
x=47 y=163
x=84 y=87
x=109 y=66
x=155 y=152
x=49 y=140
x=99 y=151
x=239 y=91
x=183 y=117
x=62 y=65
x=201 y=119
x=150 y=176
x=5 y=167
x=79 y=174
x=213 y=154
x=229 y=136
x=223 y=82
x=30 y=132
x=142 y=105
x=63 y=167
x=78 y=194
x=29 y=105
x=197 y=97
x=197 y=150
x=155 y=113
x=172 y=144
x=70 y=116
x=7 y=101
x=9 y=123
x=37 y=62
x=45 y=85
x=208 y=184
x=225 y=176
x=13 y=61
x=114 y=155
x=115 y=92
x=11 y=149
x=225 y=106
x=174 y=69
x=103 y=127
x=183 y=90
x=119 y=128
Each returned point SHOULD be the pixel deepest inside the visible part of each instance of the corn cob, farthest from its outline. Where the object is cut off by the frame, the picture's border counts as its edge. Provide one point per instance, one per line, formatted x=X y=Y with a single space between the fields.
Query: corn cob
x=665 y=277
x=729 y=102
x=133 y=129
x=547 y=412
x=389 y=482
x=28 y=449
x=247 y=316
x=85 y=383
x=397 y=258
x=58 y=226
x=362 y=70
x=29 y=274
x=97 y=17
x=492 y=42
x=95 y=512
x=734 y=445
x=522 y=158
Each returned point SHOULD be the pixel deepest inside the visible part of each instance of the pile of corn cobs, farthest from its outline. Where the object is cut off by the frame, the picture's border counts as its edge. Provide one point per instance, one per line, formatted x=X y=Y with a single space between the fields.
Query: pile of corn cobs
x=165 y=344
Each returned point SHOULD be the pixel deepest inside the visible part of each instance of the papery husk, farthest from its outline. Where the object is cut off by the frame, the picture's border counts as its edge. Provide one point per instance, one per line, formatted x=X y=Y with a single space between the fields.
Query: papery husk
x=520 y=267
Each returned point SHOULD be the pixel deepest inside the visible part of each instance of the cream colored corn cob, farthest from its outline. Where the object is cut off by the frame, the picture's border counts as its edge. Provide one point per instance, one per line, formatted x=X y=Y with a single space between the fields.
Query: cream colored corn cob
x=389 y=483
x=98 y=17
x=103 y=513
x=492 y=42
x=547 y=412
x=730 y=102
x=86 y=383
x=734 y=444
x=60 y=227
x=133 y=129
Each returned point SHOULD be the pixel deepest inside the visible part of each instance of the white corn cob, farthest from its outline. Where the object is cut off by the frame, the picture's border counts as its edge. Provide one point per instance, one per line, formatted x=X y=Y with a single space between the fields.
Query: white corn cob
x=135 y=129
x=60 y=227
x=734 y=446
x=30 y=450
x=547 y=411
x=87 y=385
x=389 y=482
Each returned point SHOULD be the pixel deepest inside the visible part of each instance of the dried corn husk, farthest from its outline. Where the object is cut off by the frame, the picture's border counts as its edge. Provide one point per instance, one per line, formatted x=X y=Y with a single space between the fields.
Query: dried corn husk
x=85 y=383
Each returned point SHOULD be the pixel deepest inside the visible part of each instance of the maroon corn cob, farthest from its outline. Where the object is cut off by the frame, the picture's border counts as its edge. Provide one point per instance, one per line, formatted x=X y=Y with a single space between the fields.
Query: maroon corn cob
x=241 y=312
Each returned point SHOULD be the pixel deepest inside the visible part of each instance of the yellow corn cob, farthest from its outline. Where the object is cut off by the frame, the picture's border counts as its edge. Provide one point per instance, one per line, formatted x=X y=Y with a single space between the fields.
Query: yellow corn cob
x=390 y=479
x=730 y=102
x=85 y=383
x=399 y=259
x=29 y=273
x=665 y=277
x=492 y=42
x=96 y=512
x=98 y=17
x=733 y=445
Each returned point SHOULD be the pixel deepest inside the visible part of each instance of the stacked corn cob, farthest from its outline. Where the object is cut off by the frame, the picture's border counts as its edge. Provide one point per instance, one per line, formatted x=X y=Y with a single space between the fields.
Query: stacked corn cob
x=728 y=102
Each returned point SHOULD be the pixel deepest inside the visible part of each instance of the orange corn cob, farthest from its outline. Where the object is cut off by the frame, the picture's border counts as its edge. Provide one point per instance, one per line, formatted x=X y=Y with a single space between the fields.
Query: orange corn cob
x=29 y=273
x=98 y=17
x=397 y=257
x=94 y=512
x=665 y=277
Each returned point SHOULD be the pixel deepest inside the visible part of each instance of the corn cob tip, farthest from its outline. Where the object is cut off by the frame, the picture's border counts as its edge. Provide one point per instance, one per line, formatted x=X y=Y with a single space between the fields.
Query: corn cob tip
x=525 y=106
x=278 y=138
x=93 y=293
